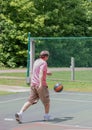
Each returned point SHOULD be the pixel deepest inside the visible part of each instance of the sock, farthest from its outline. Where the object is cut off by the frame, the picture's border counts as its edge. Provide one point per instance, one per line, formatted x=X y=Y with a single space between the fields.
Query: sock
x=46 y=114
x=20 y=113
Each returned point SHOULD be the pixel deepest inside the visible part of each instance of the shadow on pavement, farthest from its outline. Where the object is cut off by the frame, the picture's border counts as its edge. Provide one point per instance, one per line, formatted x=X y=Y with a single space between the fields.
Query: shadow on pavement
x=55 y=120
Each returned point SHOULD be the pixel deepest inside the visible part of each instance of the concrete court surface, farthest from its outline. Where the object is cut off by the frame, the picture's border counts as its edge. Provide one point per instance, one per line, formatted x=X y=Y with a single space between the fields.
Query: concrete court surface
x=71 y=111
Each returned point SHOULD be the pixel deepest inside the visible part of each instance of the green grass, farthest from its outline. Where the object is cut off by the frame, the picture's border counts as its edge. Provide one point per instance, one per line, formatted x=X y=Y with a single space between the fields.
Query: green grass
x=65 y=75
x=5 y=93
x=13 y=82
x=82 y=82
x=79 y=75
x=14 y=74
x=84 y=75
x=73 y=85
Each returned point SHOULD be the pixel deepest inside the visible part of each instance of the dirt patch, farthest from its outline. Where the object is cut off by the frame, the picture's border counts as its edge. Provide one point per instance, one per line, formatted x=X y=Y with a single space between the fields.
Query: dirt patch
x=13 y=88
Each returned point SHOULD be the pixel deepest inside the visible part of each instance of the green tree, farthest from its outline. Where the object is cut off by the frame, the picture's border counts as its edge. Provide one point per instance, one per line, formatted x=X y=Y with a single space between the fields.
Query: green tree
x=43 y=18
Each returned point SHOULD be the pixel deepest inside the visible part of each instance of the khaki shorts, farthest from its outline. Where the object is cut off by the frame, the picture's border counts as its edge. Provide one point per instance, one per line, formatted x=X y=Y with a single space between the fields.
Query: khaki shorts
x=37 y=93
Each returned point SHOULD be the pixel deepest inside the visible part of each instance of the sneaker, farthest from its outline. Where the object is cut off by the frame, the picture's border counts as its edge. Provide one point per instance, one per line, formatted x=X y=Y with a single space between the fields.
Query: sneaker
x=48 y=118
x=18 y=117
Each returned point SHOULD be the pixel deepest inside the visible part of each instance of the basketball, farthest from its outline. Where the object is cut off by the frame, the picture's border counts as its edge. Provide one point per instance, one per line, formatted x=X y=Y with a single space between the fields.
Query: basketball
x=58 y=87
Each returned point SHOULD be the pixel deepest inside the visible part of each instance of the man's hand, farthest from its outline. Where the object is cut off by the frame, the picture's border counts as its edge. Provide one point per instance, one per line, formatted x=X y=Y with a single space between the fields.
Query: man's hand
x=49 y=73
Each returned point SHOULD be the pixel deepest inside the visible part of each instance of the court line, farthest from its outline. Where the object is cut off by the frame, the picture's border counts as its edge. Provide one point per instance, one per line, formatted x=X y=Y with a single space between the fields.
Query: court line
x=71 y=100
x=11 y=100
x=8 y=119
x=57 y=99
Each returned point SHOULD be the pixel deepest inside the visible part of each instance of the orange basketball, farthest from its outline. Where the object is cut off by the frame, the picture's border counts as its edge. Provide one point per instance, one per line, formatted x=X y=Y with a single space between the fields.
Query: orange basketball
x=58 y=87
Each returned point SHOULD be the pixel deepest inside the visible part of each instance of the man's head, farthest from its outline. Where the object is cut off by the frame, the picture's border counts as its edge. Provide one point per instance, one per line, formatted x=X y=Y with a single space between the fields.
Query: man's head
x=44 y=54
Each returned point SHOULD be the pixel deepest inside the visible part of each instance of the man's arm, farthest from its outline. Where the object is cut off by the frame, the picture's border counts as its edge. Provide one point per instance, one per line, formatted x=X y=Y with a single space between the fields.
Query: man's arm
x=40 y=78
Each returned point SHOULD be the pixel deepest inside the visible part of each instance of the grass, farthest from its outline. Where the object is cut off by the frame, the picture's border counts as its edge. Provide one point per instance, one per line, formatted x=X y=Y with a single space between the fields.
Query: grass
x=5 y=93
x=13 y=82
x=82 y=82
x=79 y=75
x=20 y=74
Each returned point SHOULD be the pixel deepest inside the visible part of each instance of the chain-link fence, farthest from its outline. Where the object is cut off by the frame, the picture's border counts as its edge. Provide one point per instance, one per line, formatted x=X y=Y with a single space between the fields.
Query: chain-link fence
x=62 y=49
x=71 y=57
x=70 y=62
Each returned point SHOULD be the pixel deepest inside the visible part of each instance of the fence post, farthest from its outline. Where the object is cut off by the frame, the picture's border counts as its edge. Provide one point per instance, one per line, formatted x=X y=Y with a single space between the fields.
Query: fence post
x=30 y=58
x=32 y=55
x=72 y=68
x=28 y=61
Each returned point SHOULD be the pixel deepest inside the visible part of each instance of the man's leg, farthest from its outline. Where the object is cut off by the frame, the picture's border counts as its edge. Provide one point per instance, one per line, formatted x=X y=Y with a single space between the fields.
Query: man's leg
x=47 y=107
x=18 y=115
x=33 y=98
x=44 y=96
x=25 y=107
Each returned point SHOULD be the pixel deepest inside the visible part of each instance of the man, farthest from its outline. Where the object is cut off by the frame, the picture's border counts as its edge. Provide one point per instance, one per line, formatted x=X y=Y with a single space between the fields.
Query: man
x=39 y=87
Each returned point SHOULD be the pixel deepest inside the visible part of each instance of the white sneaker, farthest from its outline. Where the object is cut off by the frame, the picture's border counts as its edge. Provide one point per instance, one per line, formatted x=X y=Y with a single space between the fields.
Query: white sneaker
x=48 y=118
x=18 y=117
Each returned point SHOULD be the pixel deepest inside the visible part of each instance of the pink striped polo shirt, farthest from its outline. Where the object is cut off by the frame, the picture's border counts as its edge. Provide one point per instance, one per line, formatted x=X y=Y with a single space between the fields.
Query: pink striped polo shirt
x=39 y=64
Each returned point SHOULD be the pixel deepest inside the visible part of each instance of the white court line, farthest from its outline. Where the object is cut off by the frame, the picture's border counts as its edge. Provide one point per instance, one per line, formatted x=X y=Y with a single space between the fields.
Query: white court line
x=57 y=99
x=17 y=99
x=8 y=119
x=64 y=125
x=11 y=100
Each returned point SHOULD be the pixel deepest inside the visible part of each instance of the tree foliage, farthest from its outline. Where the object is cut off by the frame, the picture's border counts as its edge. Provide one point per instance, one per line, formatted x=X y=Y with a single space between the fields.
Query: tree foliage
x=44 y=18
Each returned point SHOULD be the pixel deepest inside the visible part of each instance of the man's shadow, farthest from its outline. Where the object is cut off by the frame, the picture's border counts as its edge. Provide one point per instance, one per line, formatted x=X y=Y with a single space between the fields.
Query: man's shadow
x=58 y=120
x=55 y=120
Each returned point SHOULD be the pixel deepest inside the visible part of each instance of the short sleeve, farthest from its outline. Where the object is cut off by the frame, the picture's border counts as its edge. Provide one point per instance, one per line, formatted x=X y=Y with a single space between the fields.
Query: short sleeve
x=43 y=66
